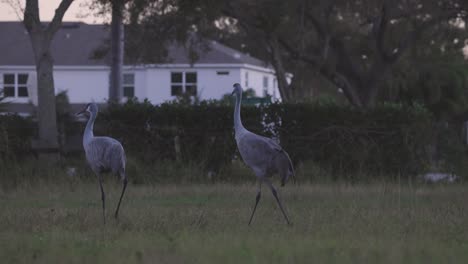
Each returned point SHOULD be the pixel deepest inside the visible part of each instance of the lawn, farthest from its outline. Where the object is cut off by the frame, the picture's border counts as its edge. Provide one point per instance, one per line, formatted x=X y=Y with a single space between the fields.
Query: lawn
x=332 y=223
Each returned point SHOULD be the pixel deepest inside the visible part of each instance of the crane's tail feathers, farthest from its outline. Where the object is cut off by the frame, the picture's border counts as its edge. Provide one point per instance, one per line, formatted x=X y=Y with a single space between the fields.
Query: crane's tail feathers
x=290 y=172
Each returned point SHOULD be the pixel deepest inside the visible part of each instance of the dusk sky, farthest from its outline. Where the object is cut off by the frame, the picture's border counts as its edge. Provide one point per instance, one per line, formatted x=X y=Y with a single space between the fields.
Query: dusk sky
x=77 y=11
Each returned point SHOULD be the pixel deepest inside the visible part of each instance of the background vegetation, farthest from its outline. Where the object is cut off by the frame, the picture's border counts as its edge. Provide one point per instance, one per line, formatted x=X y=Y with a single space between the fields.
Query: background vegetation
x=340 y=141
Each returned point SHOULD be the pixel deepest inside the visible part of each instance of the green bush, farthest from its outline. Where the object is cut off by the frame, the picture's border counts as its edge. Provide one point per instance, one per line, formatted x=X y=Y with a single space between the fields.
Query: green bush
x=389 y=139
x=341 y=141
x=16 y=133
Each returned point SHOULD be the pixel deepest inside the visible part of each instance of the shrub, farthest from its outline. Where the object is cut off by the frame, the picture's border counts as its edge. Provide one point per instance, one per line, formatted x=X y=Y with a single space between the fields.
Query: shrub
x=343 y=141
x=15 y=137
x=390 y=138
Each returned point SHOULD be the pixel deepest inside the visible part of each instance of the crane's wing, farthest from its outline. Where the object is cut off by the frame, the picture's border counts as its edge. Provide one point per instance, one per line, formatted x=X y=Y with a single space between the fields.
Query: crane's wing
x=264 y=155
x=105 y=154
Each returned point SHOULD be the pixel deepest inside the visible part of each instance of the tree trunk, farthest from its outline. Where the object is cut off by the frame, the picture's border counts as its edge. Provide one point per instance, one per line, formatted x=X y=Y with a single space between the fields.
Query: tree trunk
x=375 y=77
x=280 y=72
x=41 y=38
x=47 y=117
x=117 y=52
x=46 y=102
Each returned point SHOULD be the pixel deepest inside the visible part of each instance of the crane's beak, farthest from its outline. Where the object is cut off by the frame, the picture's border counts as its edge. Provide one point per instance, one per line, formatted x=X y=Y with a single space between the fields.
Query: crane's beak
x=80 y=112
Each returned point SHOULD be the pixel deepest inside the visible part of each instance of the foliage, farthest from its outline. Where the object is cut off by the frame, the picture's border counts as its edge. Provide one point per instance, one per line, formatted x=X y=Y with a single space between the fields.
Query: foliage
x=16 y=133
x=355 y=46
x=3 y=102
x=65 y=121
x=440 y=82
x=344 y=140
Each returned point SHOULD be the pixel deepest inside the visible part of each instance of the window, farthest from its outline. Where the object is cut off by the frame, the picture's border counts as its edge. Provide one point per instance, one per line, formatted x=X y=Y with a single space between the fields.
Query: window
x=222 y=72
x=183 y=82
x=246 y=79
x=15 y=85
x=128 y=85
x=265 y=85
x=22 y=85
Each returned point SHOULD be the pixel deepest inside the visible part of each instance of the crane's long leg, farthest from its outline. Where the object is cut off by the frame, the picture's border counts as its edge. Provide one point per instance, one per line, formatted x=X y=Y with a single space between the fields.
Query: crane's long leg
x=121 y=195
x=273 y=190
x=103 y=198
x=257 y=199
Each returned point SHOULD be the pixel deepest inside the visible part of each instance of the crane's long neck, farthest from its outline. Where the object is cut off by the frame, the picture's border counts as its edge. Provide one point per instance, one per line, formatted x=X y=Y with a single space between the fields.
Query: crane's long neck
x=238 y=127
x=88 y=133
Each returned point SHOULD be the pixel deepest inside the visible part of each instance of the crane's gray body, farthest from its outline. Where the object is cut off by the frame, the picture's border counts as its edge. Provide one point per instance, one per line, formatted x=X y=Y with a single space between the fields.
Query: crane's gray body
x=103 y=154
x=263 y=155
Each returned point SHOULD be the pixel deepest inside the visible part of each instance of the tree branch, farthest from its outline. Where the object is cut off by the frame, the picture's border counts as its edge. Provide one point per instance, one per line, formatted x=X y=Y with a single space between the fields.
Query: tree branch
x=31 y=19
x=380 y=29
x=332 y=76
x=56 y=22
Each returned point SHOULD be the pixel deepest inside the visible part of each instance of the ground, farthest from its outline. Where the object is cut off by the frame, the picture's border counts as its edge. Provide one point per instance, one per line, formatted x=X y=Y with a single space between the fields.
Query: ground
x=332 y=223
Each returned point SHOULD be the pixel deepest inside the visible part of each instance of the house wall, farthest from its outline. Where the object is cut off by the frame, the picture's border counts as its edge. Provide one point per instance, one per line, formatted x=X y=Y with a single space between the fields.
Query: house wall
x=253 y=78
x=210 y=85
x=85 y=85
x=214 y=86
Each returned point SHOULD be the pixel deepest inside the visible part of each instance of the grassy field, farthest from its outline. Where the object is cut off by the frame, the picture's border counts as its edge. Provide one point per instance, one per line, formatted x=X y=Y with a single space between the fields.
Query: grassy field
x=375 y=223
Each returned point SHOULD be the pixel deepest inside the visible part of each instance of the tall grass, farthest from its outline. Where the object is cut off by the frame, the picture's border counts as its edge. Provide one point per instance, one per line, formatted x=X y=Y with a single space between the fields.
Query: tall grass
x=187 y=223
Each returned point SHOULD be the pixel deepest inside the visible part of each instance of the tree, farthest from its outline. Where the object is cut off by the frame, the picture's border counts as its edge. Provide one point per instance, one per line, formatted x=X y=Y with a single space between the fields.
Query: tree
x=117 y=10
x=117 y=53
x=354 y=45
x=41 y=36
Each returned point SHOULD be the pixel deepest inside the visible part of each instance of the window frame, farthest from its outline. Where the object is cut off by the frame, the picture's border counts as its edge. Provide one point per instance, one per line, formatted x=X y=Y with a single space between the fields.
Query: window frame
x=16 y=85
x=128 y=85
x=184 y=84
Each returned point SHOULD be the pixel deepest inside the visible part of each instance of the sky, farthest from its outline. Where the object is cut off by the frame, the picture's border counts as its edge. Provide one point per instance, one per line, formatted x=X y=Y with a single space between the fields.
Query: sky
x=77 y=11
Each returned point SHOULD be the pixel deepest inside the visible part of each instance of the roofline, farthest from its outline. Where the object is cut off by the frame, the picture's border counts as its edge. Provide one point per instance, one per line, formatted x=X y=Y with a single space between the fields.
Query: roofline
x=210 y=65
x=141 y=67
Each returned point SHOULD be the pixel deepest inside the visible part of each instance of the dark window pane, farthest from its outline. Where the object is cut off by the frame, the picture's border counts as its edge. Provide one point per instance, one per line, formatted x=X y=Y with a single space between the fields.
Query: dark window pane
x=22 y=91
x=129 y=91
x=191 y=77
x=176 y=89
x=8 y=79
x=128 y=78
x=9 y=91
x=191 y=89
x=22 y=78
x=222 y=73
x=176 y=77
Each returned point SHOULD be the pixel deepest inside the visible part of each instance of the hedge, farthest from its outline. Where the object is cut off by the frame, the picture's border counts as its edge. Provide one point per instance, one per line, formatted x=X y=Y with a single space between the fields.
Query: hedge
x=345 y=141
x=341 y=139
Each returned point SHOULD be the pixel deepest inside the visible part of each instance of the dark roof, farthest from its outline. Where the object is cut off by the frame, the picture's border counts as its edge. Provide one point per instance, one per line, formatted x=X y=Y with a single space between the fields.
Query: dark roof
x=73 y=44
x=76 y=42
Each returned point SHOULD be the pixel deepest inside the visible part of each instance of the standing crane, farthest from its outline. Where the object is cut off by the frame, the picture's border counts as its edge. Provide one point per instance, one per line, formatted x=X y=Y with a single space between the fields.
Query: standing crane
x=104 y=154
x=263 y=155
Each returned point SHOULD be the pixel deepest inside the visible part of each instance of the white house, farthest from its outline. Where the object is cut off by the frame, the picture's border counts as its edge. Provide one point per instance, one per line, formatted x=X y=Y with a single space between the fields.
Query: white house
x=86 y=79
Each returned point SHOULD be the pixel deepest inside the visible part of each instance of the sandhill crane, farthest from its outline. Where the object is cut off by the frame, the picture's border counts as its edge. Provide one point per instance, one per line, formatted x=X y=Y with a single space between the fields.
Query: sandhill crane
x=104 y=154
x=263 y=155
